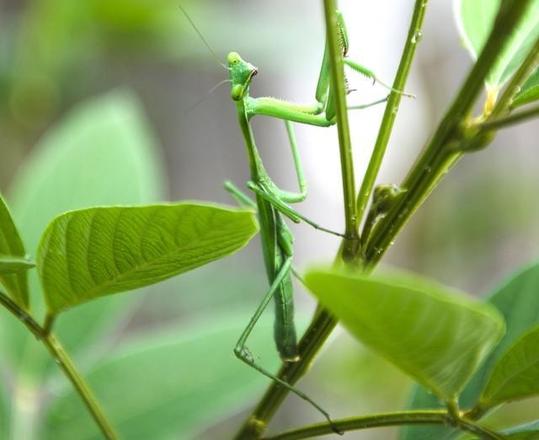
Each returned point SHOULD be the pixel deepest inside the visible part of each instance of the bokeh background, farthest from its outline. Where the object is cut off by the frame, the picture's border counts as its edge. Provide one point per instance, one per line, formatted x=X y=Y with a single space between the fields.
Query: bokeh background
x=164 y=364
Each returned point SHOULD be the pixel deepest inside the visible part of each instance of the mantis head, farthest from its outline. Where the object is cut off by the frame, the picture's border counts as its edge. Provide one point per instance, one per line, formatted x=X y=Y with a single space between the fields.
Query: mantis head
x=241 y=74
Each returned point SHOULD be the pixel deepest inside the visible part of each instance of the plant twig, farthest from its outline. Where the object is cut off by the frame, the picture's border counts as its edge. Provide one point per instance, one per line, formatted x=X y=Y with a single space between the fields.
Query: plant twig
x=390 y=113
x=61 y=357
x=417 y=417
x=513 y=118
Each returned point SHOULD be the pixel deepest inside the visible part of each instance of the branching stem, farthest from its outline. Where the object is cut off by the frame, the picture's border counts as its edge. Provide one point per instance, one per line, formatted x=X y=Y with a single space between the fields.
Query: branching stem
x=392 y=107
x=65 y=363
x=419 y=417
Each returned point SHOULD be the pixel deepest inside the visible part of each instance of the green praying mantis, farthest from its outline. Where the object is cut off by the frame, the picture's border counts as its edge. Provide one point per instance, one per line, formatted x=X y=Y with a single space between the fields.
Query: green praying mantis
x=271 y=202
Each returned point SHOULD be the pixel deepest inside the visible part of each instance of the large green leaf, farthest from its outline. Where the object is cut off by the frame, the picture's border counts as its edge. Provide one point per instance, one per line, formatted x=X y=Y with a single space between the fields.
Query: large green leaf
x=516 y=374
x=11 y=246
x=437 y=336
x=94 y=252
x=475 y=19
x=518 y=302
x=101 y=153
x=169 y=386
x=529 y=91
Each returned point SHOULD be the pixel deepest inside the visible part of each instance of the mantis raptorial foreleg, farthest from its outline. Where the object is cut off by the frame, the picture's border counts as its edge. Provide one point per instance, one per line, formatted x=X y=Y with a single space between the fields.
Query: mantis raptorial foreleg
x=322 y=112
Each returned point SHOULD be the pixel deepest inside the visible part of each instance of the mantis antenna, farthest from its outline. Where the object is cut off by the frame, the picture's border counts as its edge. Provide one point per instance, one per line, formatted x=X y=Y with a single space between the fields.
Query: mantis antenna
x=201 y=36
x=206 y=96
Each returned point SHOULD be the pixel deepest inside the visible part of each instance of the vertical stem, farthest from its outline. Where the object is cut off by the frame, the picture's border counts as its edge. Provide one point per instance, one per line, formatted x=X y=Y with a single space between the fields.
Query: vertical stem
x=390 y=113
x=66 y=364
x=351 y=243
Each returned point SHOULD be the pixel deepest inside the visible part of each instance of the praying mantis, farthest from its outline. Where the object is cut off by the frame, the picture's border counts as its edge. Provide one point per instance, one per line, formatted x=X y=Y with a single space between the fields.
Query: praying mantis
x=271 y=202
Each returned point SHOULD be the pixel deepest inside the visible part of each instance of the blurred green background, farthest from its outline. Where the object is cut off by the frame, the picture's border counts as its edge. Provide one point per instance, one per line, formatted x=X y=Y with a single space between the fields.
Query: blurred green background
x=107 y=101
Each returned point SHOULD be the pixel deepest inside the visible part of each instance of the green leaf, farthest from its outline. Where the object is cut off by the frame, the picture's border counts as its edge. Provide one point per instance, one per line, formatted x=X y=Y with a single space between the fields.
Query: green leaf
x=94 y=252
x=437 y=336
x=475 y=19
x=518 y=302
x=169 y=386
x=16 y=284
x=11 y=265
x=102 y=152
x=516 y=374
x=529 y=91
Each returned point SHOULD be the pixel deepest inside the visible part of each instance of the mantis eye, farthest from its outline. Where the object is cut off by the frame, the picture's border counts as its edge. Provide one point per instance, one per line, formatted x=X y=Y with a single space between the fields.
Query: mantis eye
x=233 y=58
x=236 y=92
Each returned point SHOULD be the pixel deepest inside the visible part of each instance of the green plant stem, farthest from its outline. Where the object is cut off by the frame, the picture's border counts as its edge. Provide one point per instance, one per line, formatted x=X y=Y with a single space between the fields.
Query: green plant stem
x=390 y=113
x=425 y=417
x=513 y=118
x=450 y=139
x=338 y=83
x=65 y=363
x=429 y=168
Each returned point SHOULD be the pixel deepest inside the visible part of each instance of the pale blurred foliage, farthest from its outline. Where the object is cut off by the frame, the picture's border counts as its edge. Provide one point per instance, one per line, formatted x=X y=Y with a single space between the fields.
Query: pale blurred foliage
x=479 y=226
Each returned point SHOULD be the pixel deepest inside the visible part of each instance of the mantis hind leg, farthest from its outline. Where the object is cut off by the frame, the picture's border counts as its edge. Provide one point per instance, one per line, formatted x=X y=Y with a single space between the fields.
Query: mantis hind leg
x=285 y=209
x=243 y=353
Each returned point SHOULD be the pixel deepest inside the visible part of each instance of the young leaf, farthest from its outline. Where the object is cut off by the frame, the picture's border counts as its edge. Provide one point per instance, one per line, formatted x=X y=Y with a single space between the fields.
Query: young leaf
x=94 y=252
x=437 y=336
x=11 y=250
x=168 y=385
x=13 y=265
x=518 y=302
x=516 y=374
x=475 y=19
x=529 y=91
